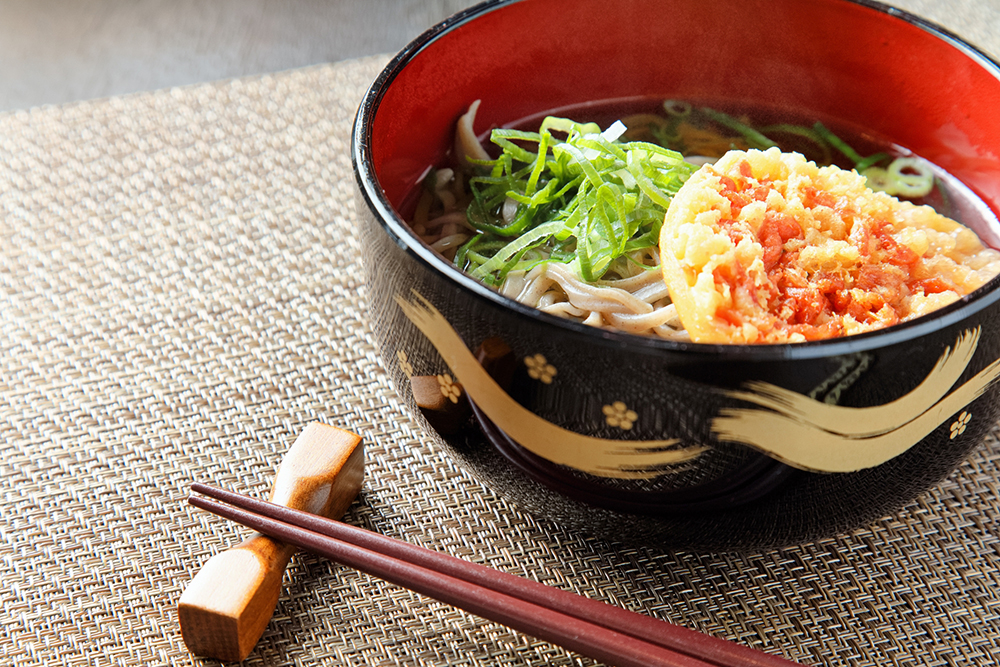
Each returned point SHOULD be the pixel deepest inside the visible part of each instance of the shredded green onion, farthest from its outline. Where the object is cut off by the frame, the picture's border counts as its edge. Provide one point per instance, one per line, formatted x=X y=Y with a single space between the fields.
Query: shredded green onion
x=837 y=143
x=573 y=194
x=808 y=133
x=878 y=179
x=905 y=176
x=586 y=199
x=677 y=108
x=870 y=161
x=753 y=137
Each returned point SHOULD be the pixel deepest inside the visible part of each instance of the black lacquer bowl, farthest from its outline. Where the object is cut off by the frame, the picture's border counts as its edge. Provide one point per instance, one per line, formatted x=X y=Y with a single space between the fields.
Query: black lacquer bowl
x=676 y=444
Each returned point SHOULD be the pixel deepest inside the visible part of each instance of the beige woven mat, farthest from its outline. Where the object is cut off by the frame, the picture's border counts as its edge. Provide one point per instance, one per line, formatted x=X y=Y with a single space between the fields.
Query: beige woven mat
x=180 y=294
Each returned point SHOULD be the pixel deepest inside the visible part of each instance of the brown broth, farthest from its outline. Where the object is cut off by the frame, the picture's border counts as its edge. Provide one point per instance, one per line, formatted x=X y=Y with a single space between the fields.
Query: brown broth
x=950 y=197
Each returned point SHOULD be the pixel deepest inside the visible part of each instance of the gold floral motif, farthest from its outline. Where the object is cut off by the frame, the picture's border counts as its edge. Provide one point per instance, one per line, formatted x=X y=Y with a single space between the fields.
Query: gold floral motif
x=800 y=430
x=539 y=368
x=618 y=414
x=958 y=426
x=404 y=363
x=448 y=388
x=604 y=457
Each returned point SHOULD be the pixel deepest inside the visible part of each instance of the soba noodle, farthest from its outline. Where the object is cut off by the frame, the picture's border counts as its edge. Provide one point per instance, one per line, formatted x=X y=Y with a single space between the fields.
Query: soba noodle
x=638 y=303
x=630 y=294
x=631 y=297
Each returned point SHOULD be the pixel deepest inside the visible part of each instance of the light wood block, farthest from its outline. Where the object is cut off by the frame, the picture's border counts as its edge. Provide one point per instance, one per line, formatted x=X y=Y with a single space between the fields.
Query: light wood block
x=227 y=606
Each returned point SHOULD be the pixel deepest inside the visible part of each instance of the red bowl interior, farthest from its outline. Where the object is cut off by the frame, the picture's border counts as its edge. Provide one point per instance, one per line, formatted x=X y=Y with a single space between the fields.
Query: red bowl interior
x=866 y=65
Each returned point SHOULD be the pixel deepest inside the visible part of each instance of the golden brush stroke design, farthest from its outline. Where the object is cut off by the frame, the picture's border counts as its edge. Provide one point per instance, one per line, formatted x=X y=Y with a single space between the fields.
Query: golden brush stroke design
x=597 y=456
x=871 y=421
x=812 y=435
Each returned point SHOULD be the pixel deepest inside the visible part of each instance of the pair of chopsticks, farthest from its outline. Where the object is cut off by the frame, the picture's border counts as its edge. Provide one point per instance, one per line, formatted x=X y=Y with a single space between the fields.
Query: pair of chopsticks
x=595 y=629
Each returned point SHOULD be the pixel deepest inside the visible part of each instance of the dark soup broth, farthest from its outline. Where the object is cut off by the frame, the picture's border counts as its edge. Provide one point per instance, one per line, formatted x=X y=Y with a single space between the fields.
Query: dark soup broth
x=554 y=209
x=657 y=120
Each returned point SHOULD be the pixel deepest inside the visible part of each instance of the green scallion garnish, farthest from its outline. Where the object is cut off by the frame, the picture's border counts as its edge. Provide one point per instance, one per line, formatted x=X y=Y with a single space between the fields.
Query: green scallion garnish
x=586 y=199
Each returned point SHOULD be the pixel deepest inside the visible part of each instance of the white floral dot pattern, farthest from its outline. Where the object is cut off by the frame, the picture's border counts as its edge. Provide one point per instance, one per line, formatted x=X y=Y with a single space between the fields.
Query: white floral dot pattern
x=618 y=415
x=448 y=388
x=404 y=363
x=540 y=369
x=958 y=426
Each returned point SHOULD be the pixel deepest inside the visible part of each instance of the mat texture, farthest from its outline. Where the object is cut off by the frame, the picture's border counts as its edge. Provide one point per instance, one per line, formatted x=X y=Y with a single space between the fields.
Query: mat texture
x=180 y=294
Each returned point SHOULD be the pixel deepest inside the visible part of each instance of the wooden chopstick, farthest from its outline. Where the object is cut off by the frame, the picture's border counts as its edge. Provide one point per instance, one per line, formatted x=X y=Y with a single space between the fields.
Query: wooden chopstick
x=589 y=627
x=577 y=635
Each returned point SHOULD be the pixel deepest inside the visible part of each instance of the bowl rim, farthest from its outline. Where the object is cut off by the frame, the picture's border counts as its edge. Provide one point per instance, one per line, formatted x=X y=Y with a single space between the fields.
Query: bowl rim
x=398 y=230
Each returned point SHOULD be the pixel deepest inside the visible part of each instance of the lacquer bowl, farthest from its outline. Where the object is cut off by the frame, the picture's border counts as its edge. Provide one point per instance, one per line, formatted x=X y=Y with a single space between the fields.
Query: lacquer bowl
x=664 y=443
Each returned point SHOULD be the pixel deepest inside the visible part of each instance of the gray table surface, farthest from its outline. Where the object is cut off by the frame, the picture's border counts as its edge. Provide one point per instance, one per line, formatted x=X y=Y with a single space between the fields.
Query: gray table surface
x=56 y=51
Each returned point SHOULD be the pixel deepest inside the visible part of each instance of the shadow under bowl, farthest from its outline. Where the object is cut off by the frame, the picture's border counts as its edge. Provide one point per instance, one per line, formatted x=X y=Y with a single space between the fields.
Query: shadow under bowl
x=666 y=443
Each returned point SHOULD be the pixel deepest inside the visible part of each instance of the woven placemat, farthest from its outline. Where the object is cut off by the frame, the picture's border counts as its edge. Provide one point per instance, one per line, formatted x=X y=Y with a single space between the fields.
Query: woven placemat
x=180 y=294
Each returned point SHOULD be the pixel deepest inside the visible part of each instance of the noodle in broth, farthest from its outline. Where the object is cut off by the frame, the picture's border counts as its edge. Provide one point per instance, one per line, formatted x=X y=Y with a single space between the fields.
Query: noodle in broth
x=630 y=294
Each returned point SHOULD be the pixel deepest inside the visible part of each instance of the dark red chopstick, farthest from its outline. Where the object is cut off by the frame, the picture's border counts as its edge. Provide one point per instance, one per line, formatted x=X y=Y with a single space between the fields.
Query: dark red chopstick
x=577 y=635
x=590 y=627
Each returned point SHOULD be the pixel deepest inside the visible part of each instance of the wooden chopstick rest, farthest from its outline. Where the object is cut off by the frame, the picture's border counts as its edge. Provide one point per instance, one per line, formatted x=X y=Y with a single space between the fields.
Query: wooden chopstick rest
x=443 y=402
x=498 y=360
x=228 y=604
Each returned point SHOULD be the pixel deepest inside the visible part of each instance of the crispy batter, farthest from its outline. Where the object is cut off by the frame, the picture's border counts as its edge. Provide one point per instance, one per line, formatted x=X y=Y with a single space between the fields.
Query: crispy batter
x=765 y=247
